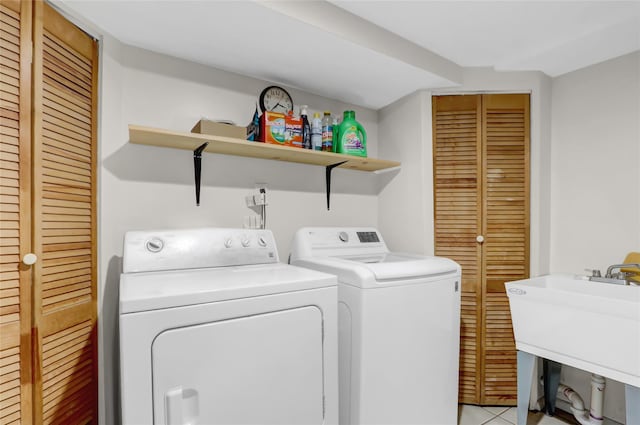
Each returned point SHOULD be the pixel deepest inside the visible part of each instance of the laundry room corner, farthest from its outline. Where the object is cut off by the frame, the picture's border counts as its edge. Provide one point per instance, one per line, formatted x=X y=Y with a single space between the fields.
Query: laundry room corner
x=144 y=188
x=405 y=203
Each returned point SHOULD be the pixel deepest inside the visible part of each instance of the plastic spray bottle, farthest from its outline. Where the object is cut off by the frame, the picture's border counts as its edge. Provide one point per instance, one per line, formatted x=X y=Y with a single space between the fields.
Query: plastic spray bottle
x=335 y=127
x=306 y=128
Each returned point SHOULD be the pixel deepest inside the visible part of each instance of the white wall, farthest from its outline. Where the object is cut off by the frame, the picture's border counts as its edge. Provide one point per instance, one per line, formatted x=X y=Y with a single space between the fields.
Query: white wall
x=595 y=173
x=405 y=203
x=595 y=180
x=146 y=187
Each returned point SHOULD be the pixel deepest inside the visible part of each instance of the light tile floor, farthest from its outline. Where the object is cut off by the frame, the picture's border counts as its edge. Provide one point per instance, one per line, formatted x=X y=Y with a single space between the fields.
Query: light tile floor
x=496 y=415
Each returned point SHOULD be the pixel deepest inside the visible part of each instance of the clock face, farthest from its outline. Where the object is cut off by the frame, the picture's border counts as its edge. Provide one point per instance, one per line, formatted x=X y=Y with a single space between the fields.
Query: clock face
x=275 y=99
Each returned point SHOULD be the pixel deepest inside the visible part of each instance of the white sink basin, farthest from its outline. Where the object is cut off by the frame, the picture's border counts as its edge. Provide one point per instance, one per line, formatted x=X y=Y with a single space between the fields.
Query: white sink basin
x=589 y=325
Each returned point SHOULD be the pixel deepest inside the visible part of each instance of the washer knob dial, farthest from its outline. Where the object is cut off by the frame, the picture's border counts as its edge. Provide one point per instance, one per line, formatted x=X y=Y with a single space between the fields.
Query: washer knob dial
x=154 y=245
x=245 y=242
x=343 y=236
x=262 y=241
x=228 y=243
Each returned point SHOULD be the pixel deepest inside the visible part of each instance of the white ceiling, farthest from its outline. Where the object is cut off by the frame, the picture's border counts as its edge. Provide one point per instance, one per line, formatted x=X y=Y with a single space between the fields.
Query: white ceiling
x=372 y=53
x=554 y=37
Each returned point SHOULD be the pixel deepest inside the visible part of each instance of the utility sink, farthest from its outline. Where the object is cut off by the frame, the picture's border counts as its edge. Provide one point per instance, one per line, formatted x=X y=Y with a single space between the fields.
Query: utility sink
x=592 y=326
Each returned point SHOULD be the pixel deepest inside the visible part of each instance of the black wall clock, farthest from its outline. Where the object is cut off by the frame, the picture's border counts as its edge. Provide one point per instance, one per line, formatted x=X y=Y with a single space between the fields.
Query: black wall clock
x=275 y=99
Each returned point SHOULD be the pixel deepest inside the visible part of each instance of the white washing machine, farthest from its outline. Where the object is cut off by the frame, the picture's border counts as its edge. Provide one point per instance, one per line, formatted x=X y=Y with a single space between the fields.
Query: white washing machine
x=214 y=330
x=399 y=327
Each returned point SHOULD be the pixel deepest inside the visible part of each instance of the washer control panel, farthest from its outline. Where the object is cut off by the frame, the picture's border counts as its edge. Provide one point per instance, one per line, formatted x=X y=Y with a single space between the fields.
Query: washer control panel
x=197 y=248
x=336 y=241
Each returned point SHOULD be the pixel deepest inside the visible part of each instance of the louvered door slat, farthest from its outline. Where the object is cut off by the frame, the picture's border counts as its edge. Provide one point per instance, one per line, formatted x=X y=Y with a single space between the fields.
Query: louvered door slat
x=63 y=146
x=506 y=224
x=65 y=210
x=457 y=184
x=15 y=296
x=57 y=41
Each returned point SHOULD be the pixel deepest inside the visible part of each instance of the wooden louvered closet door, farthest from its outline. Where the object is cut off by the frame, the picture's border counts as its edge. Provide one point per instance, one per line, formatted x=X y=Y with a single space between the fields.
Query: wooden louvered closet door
x=64 y=215
x=457 y=159
x=505 y=128
x=481 y=188
x=15 y=198
x=56 y=164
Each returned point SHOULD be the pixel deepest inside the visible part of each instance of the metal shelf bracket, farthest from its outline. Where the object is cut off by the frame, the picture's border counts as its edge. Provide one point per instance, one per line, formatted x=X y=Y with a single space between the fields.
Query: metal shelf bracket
x=197 y=166
x=328 y=170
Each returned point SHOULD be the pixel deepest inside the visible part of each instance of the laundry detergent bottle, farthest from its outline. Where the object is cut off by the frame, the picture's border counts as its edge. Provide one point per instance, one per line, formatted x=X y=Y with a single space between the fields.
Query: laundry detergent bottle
x=352 y=139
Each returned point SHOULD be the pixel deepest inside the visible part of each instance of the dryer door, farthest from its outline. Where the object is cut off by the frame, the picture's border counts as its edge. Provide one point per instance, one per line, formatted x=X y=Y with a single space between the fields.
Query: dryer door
x=260 y=369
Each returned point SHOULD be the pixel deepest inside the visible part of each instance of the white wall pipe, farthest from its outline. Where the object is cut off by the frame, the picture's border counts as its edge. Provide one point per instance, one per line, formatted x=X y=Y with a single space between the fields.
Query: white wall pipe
x=594 y=416
x=597 y=397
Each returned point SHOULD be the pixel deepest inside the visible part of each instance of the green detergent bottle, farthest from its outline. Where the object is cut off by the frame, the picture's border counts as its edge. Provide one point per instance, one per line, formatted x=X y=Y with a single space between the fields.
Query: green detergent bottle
x=352 y=139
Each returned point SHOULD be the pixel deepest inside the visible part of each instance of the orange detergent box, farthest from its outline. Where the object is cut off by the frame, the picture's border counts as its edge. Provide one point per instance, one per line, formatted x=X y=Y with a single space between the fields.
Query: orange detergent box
x=293 y=130
x=272 y=126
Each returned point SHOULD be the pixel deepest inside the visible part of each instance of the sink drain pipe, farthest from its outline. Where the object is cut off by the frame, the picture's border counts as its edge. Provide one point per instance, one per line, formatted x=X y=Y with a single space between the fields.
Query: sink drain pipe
x=595 y=414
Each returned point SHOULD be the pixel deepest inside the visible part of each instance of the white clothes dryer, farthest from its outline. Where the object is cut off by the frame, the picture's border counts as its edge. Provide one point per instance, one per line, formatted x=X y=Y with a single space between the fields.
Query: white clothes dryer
x=214 y=330
x=399 y=327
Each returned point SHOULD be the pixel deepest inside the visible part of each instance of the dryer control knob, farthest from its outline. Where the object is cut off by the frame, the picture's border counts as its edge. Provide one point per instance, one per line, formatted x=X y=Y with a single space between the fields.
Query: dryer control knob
x=154 y=245
x=343 y=236
x=245 y=242
x=228 y=243
x=262 y=241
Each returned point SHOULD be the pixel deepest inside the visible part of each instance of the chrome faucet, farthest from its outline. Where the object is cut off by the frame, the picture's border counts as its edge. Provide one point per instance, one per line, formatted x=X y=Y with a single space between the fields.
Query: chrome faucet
x=610 y=269
x=610 y=277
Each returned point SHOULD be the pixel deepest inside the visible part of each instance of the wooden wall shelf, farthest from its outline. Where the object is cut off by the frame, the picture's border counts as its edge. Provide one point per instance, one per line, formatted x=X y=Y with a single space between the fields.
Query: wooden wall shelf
x=239 y=147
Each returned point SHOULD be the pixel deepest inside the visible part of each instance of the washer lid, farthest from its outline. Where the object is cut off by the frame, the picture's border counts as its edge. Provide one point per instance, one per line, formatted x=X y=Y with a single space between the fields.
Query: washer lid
x=166 y=289
x=385 y=269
